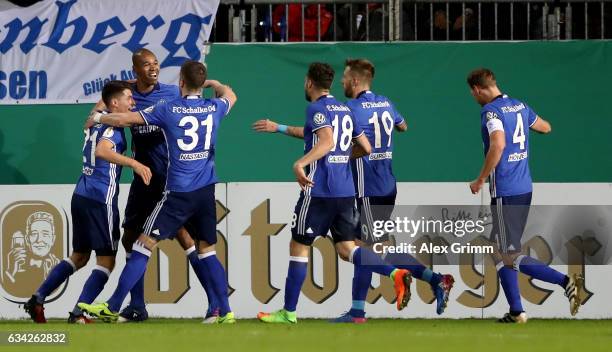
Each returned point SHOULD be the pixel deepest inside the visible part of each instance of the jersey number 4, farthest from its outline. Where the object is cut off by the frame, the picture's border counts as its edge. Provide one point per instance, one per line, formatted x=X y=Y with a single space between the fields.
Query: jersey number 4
x=519 y=132
x=192 y=132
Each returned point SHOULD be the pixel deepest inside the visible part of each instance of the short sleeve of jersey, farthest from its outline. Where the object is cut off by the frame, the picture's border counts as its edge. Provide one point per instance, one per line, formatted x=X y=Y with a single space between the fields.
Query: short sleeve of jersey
x=316 y=118
x=398 y=119
x=113 y=134
x=492 y=121
x=223 y=105
x=154 y=115
x=532 y=117
x=357 y=130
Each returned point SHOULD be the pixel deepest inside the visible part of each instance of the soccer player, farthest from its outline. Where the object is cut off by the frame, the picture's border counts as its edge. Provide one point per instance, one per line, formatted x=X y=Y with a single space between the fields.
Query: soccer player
x=376 y=186
x=95 y=215
x=505 y=124
x=149 y=147
x=190 y=125
x=327 y=200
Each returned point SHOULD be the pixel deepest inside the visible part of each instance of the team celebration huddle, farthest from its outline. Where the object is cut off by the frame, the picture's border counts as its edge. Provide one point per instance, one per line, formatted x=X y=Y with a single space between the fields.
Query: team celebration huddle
x=345 y=176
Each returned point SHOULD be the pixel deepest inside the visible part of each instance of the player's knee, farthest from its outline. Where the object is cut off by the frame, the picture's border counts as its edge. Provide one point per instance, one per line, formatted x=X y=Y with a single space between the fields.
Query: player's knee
x=107 y=262
x=297 y=249
x=344 y=249
x=145 y=241
x=204 y=247
x=185 y=239
x=80 y=259
x=127 y=240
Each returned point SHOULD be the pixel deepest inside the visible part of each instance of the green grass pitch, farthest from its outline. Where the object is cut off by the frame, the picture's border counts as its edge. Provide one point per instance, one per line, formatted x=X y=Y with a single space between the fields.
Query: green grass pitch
x=176 y=335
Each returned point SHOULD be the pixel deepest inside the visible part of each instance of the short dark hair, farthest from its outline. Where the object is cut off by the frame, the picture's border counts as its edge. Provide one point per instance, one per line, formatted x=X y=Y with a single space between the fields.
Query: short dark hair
x=321 y=74
x=362 y=67
x=193 y=74
x=112 y=89
x=481 y=77
x=140 y=53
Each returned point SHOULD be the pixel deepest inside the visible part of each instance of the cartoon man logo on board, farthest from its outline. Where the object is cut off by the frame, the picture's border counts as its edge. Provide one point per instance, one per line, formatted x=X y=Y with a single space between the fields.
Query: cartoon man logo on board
x=32 y=244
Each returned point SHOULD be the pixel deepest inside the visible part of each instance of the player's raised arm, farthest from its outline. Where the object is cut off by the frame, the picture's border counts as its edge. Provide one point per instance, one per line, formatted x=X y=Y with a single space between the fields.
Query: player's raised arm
x=319 y=150
x=497 y=144
x=222 y=91
x=120 y=119
x=267 y=125
x=105 y=150
x=541 y=126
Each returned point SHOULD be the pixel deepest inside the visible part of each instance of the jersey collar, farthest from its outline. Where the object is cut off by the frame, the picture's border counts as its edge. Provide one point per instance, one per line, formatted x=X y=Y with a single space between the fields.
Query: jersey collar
x=155 y=87
x=192 y=97
x=362 y=93
x=499 y=97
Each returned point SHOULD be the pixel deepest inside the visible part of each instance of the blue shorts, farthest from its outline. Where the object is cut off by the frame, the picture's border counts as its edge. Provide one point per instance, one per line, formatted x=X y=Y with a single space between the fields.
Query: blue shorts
x=316 y=216
x=142 y=199
x=373 y=209
x=510 y=215
x=95 y=226
x=196 y=210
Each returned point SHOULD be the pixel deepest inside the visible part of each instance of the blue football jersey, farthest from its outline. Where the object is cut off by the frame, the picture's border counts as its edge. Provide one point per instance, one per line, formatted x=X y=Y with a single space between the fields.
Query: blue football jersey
x=511 y=176
x=100 y=179
x=376 y=115
x=190 y=127
x=148 y=144
x=331 y=174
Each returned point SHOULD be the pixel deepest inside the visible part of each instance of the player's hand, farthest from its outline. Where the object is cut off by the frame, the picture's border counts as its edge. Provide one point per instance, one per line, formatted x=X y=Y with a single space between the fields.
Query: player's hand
x=476 y=185
x=210 y=83
x=90 y=121
x=301 y=177
x=144 y=172
x=265 y=125
x=15 y=261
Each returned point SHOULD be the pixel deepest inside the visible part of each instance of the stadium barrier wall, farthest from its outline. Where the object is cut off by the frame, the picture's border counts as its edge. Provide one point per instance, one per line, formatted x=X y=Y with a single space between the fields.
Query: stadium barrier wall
x=254 y=232
x=565 y=82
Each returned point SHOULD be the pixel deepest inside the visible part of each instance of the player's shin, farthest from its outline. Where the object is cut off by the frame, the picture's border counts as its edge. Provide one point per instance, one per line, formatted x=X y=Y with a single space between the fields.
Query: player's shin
x=296 y=274
x=371 y=261
x=538 y=270
x=509 y=282
x=92 y=288
x=216 y=272
x=132 y=272
x=361 y=283
x=204 y=278
x=58 y=274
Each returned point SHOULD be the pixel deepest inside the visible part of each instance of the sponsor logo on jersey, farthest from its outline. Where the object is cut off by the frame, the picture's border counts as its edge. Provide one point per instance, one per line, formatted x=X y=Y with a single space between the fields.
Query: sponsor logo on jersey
x=491 y=115
x=517 y=156
x=318 y=118
x=338 y=159
x=145 y=129
x=381 y=156
x=193 y=156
